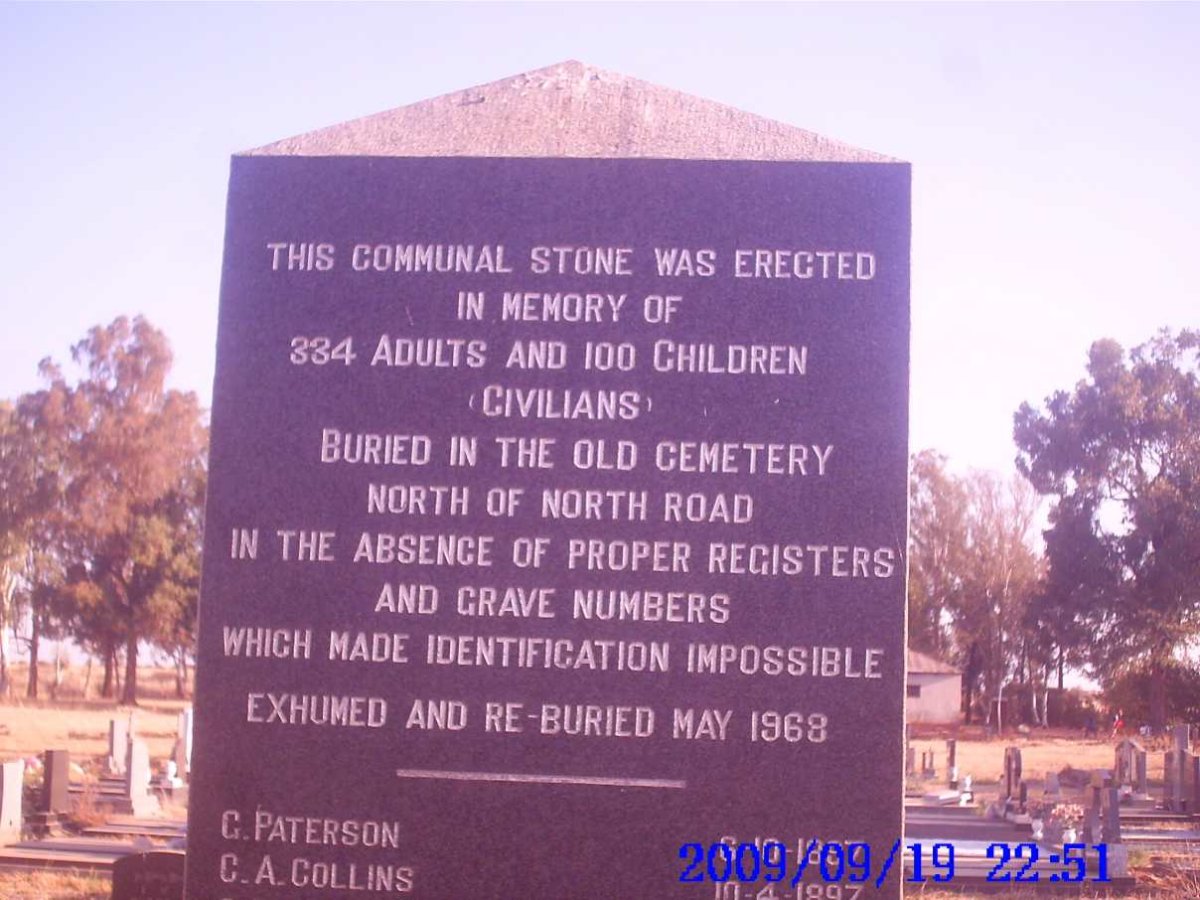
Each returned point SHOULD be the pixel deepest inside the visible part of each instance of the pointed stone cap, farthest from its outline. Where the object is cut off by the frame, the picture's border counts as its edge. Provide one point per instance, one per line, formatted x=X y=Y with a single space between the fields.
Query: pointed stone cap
x=570 y=110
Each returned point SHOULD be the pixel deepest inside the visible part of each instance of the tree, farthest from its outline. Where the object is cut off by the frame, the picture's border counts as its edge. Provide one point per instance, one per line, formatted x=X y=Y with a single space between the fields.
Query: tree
x=972 y=572
x=938 y=506
x=1120 y=455
x=15 y=478
x=34 y=439
x=136 y=447
x=174 y=614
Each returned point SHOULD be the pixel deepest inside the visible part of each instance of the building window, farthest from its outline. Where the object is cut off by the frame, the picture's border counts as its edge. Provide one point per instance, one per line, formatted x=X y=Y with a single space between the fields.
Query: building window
x=914 y=690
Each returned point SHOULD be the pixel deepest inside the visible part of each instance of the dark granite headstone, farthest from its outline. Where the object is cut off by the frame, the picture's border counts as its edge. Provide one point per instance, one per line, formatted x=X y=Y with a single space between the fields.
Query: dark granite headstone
x=1182 y=736
x=1172 y=781
x=56 y=782
x=1190 y=782
x=156 y=875
x=1112 y=815
x=556 y=512
x=1012 y=771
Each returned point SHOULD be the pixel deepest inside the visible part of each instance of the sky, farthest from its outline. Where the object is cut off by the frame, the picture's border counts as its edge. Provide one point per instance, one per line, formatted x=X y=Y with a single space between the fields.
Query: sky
x=1055 y=153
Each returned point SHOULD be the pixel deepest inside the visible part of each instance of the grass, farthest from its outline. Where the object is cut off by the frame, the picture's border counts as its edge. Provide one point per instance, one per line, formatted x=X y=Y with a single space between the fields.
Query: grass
x=79 y=722
x=40 y=885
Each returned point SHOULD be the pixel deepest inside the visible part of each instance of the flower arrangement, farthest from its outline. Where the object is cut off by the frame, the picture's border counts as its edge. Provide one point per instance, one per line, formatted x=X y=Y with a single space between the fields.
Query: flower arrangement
x=1069 y=815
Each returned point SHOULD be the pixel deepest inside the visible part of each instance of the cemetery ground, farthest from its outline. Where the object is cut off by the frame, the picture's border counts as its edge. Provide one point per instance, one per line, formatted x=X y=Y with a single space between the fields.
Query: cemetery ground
x=77 y=723
x=80 y=725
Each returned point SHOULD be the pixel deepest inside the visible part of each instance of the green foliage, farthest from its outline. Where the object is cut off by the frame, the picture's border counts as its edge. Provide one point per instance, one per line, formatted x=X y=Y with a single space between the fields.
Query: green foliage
x=108 y=505
x=1120 y=455
x=1071 y=709
x=972 y=572
x=938 y=505
x=1131 y=693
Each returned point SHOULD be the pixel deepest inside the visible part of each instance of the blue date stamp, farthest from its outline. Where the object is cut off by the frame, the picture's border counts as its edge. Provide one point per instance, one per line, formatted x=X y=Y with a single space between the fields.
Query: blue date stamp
x=852 y=864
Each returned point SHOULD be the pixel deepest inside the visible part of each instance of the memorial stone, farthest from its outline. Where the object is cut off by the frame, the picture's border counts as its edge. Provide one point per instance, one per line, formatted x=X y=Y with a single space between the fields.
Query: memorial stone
x=137 y=779
x=1141 y=787
x=1012 y=771
x=557 y=501
x=184 y=729
x=1172 y=780
x=1182 y=735
x=12 y=779
x=56 y=782
x=179 y=762
x=1096 y=788
x=118 y=739
x=1111 y=819
x=155 y=875
x=1189 y=784
x=1125 y=762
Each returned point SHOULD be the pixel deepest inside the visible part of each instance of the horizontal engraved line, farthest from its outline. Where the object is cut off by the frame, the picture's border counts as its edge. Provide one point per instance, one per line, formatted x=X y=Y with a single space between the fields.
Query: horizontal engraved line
x=522 y=778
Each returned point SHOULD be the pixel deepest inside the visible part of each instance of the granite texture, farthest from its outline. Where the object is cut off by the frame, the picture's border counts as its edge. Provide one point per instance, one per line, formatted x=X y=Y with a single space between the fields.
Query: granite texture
x=570 y=110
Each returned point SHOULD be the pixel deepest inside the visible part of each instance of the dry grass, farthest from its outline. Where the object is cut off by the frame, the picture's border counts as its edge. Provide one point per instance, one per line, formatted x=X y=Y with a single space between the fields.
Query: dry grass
x=31 y=728
x=35 y=885
x=1042 y=751
x=79 y=724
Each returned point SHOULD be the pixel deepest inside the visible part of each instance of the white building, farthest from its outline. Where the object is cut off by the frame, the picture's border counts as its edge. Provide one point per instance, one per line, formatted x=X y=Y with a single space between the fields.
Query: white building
x=934 y=690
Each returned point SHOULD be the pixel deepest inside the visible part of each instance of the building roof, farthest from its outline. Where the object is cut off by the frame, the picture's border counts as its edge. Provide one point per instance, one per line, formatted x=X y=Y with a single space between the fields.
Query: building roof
x=570 y=110
x=926 y=665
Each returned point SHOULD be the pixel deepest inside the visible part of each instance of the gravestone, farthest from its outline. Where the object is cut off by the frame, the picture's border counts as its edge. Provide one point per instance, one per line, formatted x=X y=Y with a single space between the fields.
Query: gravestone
x=118 y=740
x=179 y=763
x=12 y=779
x=56 y=782
x=1111 y=818
x=154 y=875
x=928 y=764
x=1091 y=825
x=1173 y=780
x=1052 y=788
x=1097 y=786
x=1012 y=772
x=184 y=729
x=137 y=779
x=1189 y=781
x=1182 y=736
x=1141 y=786
x=1125 y=762
x=557 y=499
x=952 y=762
